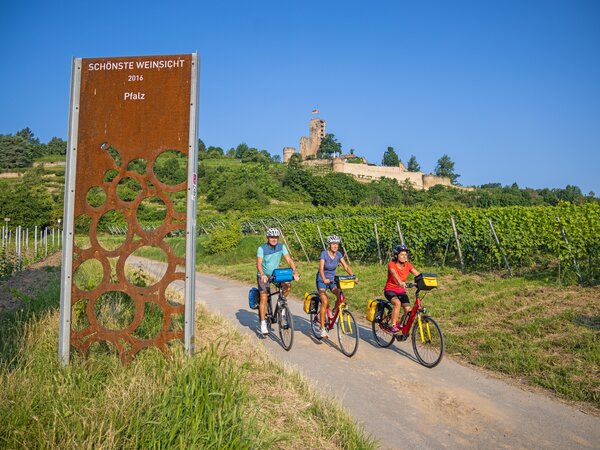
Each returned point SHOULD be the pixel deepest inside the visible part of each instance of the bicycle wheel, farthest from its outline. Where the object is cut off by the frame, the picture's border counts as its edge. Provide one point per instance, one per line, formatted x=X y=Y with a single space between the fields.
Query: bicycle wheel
x=347 y=333
x=428 y=347
x=382 y=337
x=285 y=320
x=315 y=325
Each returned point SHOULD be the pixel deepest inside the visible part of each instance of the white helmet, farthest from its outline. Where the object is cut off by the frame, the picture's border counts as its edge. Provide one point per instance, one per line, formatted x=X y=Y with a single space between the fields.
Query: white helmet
x=273 y=232
x=333 y=239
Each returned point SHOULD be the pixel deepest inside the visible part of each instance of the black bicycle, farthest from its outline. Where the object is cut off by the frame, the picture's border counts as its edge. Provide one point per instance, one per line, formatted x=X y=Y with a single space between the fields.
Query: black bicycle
x=281 y=315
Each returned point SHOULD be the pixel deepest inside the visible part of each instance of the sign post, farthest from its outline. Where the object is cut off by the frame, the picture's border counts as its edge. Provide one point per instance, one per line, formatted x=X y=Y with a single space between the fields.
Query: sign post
x=133 y=144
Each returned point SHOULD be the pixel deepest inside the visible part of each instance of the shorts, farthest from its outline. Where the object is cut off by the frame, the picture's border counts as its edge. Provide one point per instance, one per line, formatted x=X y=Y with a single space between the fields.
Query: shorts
x=321 y=284
x=403 y=297
x=262 y=287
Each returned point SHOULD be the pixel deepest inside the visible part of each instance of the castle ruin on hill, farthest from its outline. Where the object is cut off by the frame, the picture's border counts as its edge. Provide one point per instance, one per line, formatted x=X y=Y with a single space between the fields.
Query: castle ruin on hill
x=362 y=171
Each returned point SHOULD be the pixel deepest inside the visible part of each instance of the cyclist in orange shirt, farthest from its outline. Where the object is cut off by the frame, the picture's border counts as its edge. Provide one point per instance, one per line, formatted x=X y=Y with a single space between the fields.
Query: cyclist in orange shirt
x=395 y=287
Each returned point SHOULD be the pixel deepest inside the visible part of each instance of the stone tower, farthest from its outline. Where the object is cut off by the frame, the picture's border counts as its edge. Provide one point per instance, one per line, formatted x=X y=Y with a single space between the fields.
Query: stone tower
x=310 y=145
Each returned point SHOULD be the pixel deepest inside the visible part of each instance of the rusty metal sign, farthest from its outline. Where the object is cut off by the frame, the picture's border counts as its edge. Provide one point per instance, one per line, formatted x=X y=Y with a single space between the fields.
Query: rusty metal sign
x=130 y=183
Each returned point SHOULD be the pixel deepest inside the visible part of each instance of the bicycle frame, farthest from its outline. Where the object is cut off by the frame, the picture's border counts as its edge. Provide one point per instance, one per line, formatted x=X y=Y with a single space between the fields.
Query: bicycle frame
x=333 y=317
x=416 y=311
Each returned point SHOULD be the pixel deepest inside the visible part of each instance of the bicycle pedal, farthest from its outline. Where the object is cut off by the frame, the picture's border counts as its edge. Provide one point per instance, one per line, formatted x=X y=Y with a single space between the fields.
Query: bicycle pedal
x=401 y=337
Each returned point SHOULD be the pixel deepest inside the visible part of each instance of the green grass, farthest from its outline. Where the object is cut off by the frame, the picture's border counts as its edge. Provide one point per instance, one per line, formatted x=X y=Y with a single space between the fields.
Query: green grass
x=51 y=159
x=526 y=328
x=223 y=397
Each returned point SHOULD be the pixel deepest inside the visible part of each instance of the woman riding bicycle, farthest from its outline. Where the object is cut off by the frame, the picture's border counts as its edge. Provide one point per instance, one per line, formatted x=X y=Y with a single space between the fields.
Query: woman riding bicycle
x=325 y=279
x=395 y=287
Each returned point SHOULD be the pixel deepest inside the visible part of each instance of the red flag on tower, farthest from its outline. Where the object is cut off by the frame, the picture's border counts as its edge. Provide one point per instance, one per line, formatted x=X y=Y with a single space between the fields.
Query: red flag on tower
x=315 y=111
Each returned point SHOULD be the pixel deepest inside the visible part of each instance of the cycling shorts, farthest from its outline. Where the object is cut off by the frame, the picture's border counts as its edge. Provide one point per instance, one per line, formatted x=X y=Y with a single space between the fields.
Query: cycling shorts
x=390 y=295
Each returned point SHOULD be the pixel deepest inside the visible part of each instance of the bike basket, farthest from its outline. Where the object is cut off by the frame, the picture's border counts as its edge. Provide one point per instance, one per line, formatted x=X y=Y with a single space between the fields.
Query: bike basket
x=253 y=298
x=311 y=303
x=282 y=275
x=371 y=308
x=426 y=281
x=345 y=282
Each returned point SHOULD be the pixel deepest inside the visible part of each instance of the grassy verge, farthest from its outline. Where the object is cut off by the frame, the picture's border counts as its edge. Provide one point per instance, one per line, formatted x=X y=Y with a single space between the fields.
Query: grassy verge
x=526 y=328
x=232 y=394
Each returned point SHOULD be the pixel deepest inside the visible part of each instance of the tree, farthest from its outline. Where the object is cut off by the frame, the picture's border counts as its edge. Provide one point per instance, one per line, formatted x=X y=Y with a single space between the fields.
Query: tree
x=413 y=165
x=445 y=168
x=201 y=149
x=241 y=150
x=329 y=146
x=37 y=148
x=56 y=146
x=390 y=158
x=15 y=152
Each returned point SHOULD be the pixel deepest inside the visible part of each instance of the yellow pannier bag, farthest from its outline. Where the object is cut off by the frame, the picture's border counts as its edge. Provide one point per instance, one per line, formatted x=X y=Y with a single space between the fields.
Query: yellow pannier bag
x=311 y=302
x=371 y=308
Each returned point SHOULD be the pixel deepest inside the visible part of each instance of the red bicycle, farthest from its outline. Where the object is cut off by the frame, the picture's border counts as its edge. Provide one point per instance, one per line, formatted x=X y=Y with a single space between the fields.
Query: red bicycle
x=347 y=330
x=427 y=337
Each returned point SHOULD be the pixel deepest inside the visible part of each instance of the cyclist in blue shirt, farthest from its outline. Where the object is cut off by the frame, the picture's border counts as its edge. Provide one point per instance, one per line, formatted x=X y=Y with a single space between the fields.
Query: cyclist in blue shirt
x=268 y=257
x=328 y=262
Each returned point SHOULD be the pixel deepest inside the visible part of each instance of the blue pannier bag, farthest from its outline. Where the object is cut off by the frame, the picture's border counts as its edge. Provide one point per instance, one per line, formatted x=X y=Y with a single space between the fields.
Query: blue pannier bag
x=253 y=298
x=282 y=275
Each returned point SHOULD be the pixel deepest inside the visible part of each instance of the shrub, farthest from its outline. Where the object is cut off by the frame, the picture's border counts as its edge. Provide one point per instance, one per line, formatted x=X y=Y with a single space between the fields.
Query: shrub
x=223 y=239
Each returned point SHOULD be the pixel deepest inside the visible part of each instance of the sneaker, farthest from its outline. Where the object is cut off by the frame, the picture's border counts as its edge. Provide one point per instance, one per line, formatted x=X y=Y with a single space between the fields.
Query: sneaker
x=263 y=327
x=324 y=334
x=395 y=329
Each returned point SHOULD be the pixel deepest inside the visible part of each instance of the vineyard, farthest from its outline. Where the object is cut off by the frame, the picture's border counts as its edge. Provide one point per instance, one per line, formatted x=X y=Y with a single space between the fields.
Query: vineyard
x=564 y=238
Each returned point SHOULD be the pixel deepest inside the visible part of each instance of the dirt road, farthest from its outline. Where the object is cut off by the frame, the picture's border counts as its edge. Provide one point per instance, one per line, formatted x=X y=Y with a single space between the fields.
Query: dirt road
x=403 y=404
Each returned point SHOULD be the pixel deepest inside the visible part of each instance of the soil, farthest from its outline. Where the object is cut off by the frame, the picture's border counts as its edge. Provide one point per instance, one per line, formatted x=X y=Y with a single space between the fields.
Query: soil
x=28 y=282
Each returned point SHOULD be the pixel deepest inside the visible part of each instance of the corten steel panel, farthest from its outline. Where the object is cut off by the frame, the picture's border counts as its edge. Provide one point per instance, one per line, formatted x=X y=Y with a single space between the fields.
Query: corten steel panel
x=140 y=111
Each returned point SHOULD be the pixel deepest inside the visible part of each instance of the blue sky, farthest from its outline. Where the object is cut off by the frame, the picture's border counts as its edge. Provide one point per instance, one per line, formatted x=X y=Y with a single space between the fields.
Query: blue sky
x=510 y=90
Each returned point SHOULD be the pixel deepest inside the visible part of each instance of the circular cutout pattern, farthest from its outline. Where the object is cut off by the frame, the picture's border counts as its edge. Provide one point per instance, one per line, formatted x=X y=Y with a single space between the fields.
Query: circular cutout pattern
x=110 y=175
x=154 y=272
x=174 y=293
x=114 y=310
x=151 y=213
x=88 y=275
x=82 y=230
x=128 y=189
x=152 y=322
x=138 y=166
x=96 y=196
x=113 y=222
x=170 y=167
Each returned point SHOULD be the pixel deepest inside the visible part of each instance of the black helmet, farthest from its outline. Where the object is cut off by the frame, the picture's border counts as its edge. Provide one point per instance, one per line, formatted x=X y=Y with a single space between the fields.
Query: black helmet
x=400 y=248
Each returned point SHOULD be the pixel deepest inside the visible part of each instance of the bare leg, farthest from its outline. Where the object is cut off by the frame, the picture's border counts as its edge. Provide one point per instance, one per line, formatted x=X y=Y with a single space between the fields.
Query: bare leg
x=324 y=304
x=262 y=308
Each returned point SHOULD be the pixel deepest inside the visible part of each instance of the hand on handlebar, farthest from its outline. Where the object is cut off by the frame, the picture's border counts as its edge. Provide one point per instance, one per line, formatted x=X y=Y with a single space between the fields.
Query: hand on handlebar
x=264 y=279
x=296 y=275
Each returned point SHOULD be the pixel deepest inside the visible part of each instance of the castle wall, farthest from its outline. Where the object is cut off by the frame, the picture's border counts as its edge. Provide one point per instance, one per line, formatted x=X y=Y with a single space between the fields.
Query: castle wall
x=367 y=173
x=287 y=153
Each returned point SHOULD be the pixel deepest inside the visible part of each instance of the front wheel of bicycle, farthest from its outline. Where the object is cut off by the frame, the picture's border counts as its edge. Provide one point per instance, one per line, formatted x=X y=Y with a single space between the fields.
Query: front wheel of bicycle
x=347 y=333
x=428 y=341
x=285 y=320
x=315 y=325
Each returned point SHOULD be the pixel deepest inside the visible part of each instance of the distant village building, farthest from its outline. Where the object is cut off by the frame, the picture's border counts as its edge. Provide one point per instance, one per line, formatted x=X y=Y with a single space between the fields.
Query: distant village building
x=362 y=171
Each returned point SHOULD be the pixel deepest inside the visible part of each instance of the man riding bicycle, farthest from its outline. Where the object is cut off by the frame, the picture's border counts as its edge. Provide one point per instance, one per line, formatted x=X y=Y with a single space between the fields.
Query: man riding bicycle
x=325 y=279
x=268 y=257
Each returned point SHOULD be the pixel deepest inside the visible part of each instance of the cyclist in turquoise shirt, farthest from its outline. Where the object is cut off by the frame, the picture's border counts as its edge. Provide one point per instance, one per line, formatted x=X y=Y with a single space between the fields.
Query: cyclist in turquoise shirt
x=268 y=257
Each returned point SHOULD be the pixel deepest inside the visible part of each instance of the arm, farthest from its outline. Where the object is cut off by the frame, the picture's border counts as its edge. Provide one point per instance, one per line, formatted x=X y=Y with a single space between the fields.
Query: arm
x=347 y=268
x=322 y=272
x=415 y=272
x=263 y=277
x=290 y=261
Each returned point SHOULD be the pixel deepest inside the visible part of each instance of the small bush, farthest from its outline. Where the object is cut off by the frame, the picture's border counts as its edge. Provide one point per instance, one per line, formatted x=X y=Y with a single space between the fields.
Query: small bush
x=223 y=239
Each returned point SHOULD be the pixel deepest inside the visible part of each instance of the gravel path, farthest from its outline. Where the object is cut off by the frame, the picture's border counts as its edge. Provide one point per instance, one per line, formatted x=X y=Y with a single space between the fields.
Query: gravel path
x=403 y=404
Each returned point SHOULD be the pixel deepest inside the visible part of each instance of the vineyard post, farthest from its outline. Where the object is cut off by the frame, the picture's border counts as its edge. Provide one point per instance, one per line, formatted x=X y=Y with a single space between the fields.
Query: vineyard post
x=264 y=224
x=35 y=235
x=46 y=240
x=284 y=239
x=377 y=239
x=321 y=236
x=52 y=237
x=564 y=234
x=18 y=246
x=500 y=248
x=27 y=239
x=342 y=244
x=400 y=233
x=301 y=246
x=462 y=263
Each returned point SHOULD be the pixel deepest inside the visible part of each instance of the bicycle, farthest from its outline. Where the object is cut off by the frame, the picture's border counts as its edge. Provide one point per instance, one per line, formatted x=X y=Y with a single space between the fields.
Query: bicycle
x=427 y=337
x=347 y=330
